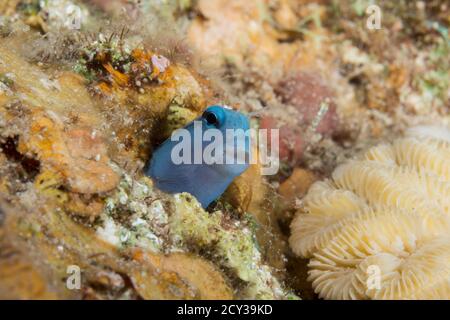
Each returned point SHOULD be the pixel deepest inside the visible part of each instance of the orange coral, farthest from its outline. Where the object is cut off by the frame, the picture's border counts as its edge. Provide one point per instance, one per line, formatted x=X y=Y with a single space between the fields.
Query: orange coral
x=77 y=155
x=179 y=267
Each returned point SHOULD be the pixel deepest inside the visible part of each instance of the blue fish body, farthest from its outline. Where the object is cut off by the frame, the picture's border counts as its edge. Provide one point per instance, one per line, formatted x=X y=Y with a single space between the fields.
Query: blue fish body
x=204 y=180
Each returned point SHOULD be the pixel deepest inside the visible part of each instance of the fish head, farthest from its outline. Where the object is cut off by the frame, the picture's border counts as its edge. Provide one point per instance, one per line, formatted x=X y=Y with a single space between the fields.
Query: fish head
x=234 y=127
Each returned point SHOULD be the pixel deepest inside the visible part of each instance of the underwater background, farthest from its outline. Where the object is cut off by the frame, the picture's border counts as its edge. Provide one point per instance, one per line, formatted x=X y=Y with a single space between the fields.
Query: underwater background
x=359 y=90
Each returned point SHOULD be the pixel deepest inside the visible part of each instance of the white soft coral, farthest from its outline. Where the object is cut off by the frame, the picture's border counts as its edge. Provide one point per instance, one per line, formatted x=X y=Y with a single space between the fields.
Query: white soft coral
x=378 y=229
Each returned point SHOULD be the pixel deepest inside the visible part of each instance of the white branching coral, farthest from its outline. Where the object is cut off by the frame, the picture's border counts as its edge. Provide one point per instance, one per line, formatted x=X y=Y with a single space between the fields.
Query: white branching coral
x=380 y=227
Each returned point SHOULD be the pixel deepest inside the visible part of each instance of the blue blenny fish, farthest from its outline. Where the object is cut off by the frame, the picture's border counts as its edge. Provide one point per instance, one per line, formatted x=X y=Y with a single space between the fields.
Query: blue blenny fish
x=204 y=181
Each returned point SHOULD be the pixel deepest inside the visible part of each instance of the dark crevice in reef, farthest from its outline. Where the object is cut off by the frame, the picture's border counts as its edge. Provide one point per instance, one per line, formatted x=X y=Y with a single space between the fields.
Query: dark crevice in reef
x=98 y=290
x=30 y=166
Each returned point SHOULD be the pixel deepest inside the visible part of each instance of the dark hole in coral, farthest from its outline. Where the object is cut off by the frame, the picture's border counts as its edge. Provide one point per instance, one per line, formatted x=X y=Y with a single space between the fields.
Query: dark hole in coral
x=98 y=290
x=290 y=36
x=129 y=284
x=297 y=275
x=30 y=166
x=285 y=224
x=356 y=80
x=344 y=137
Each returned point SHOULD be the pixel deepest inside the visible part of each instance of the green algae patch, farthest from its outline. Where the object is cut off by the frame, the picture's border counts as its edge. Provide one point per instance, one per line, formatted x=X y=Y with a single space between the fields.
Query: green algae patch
x=232 y=242
x=138 y=216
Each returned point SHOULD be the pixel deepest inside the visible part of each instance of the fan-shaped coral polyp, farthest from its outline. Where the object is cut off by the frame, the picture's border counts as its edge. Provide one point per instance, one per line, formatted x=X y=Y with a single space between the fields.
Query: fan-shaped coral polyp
x=379 y=228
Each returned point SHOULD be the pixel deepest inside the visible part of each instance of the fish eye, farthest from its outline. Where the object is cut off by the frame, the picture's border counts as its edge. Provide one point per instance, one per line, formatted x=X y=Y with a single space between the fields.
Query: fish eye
x=211 y=118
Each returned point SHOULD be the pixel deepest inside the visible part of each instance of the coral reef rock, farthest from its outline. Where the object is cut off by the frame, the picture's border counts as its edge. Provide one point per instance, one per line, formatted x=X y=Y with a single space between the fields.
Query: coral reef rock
x=379 y=228
x=72 y=192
